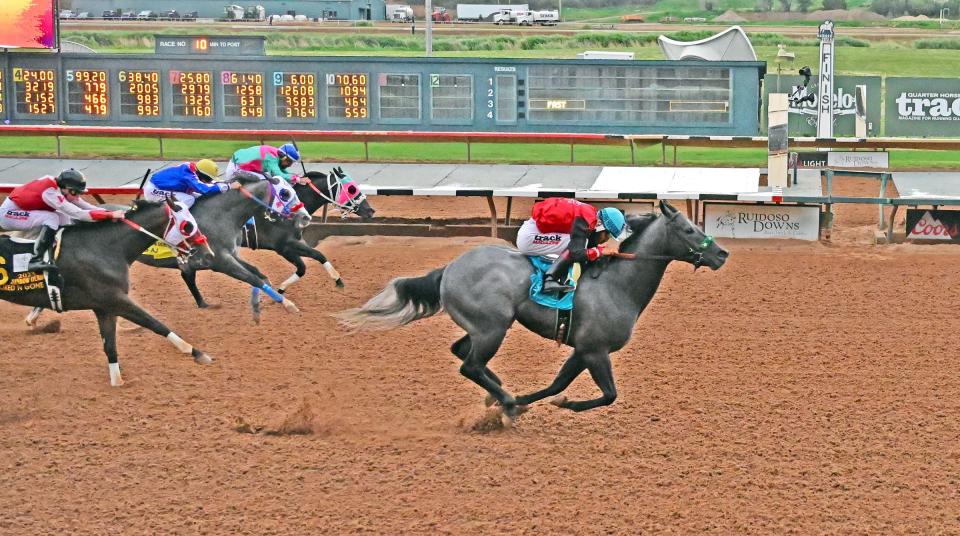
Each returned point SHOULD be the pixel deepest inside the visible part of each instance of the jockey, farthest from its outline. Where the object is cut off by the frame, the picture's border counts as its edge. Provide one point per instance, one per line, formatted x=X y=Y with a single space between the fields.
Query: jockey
x=267 y=161
x=49 y=203
x=185 y=183
x=571 y=229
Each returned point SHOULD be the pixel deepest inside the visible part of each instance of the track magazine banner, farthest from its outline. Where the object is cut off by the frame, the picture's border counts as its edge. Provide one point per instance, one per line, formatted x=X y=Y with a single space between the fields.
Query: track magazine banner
x=933 y=225
x=922 y=107
x=27 y=24
x=762 y=221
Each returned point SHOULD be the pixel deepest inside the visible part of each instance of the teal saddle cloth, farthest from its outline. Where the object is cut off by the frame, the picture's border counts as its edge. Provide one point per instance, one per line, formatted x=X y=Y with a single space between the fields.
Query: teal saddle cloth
x=563 y=302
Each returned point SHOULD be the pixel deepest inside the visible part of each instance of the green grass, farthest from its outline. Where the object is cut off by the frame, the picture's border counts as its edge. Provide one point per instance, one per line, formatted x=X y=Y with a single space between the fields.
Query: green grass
x=438 y=152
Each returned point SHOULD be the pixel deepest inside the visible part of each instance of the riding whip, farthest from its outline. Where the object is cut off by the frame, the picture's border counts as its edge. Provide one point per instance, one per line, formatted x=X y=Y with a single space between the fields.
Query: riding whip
x=142 y=182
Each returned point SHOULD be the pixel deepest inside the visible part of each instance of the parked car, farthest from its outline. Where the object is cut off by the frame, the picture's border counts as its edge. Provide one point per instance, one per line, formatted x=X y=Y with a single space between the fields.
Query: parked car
x=189 y=16
x=84 y=15
x=128 y=15
x=111 y=14
x=147 y=15
x=67 y=14
x=172 y=15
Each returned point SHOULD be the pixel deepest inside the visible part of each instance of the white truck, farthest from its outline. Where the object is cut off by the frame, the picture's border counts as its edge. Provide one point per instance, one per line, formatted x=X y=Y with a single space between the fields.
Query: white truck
x=399 y=13
x=546 y=17
x=485 y=12
x=510 y=16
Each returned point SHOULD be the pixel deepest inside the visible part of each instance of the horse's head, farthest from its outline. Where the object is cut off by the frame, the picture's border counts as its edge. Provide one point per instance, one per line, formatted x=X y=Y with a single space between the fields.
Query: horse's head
x=285 y=202
x=688 y=243
x=341 y=190
x=182 y=231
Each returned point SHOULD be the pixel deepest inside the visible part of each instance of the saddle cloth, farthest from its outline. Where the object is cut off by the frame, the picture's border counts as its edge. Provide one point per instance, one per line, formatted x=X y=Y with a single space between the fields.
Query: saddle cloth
x=160 y=250
x=562 y=302
x=15 y=253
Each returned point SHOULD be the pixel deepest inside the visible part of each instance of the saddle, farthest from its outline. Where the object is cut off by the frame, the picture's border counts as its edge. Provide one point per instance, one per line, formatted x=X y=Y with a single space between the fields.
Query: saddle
x=562 y=304
x=15 y=254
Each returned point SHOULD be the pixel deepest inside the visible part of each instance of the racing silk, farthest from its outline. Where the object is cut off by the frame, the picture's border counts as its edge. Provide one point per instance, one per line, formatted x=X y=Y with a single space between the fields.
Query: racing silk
x=262 y=159
x=183 y=178
x=569 y=216
x=44 y=194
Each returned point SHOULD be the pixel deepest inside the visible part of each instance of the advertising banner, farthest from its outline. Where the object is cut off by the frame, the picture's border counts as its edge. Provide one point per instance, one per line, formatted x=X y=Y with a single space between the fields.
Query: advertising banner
x=841 y=160
x=803 y=118
x=27 y=24
x=933 y=225
x=923 y=107
x=762 y=221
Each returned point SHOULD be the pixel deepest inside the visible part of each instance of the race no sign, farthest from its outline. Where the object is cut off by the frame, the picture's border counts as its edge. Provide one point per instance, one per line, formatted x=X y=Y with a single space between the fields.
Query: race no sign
x=762 y=221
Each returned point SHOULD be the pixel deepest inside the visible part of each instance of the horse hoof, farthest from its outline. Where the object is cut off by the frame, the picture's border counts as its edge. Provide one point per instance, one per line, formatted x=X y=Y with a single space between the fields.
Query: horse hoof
x=558 y=401
x=203 y=305
x=116 y=381
x=202 y=359
x=289 y=306
x=489 y=400
x=256 y=319
x=339 y=283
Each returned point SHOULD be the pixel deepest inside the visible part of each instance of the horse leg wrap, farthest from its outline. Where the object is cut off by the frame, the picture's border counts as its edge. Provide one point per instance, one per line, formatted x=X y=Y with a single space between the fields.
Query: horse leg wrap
x=334 y=274
x=115 y=379
x=272 y=293
x=181 y=344
x=289 y=281
x=34 y=315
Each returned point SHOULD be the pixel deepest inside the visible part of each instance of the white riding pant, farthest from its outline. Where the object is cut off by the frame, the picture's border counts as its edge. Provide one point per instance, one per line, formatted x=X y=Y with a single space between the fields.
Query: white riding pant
x=232 y=170
x=13 y=218
x=530 y=241
x=152 y=193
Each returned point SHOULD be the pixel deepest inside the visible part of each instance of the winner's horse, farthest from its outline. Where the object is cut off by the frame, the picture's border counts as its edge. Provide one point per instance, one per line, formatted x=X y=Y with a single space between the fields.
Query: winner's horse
x=95 y=263
x=286 y=238
x=487 y=288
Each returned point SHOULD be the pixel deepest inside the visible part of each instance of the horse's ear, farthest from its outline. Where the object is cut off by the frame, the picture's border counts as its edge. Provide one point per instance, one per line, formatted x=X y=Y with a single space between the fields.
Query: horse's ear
x=666 y=208
x=173 y=206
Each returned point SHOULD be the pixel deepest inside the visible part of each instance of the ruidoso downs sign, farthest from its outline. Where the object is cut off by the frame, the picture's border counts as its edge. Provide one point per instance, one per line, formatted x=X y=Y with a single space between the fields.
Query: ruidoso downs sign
x=933 y=225
x=923 y=107
x=762 y=221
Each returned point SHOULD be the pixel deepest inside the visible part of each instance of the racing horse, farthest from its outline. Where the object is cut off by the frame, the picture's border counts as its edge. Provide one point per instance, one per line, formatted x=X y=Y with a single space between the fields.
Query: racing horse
x=221 y=217
x=286 y=238
x=487 y=288
x=94 y=264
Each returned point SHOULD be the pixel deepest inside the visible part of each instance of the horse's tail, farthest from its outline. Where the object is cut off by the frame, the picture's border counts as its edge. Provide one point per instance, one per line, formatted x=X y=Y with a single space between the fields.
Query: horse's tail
x=402 y=301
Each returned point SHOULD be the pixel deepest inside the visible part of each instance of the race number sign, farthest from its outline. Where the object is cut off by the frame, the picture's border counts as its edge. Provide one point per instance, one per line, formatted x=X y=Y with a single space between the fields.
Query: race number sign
x=762 y=221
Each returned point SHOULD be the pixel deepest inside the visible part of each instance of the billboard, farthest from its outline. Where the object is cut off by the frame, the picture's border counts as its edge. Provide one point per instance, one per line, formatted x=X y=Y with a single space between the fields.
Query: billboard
x=923 y=107
x=762 y=221
x=27 y=24
x=803 y=117
x=941 y=226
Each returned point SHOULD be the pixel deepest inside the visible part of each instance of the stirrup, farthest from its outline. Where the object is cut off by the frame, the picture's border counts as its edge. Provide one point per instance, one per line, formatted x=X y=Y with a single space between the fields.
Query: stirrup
x=40 y=266
x=551 y=285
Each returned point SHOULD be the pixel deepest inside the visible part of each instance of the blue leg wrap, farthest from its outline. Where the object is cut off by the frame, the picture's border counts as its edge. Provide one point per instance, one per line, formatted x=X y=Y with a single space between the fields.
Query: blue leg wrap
x=272 y=293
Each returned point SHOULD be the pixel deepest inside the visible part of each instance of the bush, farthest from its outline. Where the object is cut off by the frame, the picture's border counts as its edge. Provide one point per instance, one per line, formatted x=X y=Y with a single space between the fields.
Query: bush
x=834 y=4
x=943 y=44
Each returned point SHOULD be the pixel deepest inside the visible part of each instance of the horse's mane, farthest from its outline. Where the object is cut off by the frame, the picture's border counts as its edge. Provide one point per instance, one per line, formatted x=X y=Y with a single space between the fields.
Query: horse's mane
x=638 y=224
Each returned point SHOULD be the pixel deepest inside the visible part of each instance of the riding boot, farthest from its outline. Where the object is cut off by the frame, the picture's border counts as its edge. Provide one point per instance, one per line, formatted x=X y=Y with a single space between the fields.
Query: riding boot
x=44 y=243
x=554 y=277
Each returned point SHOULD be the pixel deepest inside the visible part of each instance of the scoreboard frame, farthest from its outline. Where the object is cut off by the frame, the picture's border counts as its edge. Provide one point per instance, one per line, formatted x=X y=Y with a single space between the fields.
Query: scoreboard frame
x=500 y=93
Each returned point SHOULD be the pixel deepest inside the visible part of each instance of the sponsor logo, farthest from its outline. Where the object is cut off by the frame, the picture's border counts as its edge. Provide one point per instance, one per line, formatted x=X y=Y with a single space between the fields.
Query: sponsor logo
x=17 y=214
x=930 y=228
x=842 y=101
x=758 y=222
x=928 y=106
x=547 y=239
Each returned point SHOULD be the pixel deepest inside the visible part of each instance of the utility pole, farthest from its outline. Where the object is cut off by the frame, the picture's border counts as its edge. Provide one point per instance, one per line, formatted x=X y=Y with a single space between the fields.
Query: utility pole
x=429 y=14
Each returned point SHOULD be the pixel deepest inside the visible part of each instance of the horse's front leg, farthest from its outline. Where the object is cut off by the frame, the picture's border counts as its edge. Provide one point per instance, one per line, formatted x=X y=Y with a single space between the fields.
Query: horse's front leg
x=602 y=372
x=108 y=334
x=189 y=277
x=302 y=249
x=124 y=307
x=293 y=258
x=571 y=368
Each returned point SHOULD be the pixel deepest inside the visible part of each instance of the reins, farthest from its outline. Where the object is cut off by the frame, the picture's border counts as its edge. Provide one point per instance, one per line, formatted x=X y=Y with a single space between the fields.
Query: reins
x=136 y=226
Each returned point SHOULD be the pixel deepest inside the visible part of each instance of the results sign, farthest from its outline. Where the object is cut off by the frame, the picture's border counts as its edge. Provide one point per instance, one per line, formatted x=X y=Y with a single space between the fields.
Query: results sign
x=762 y=221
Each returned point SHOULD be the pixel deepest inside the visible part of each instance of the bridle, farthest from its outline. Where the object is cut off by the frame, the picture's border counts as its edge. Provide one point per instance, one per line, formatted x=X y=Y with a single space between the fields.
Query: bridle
x=334 y=187
x=694 y=253
x=286 y=213
x=191 y=236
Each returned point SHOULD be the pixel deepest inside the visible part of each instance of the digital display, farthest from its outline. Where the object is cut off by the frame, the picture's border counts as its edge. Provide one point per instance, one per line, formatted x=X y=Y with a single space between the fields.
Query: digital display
x=36 y=91
x=192 y=93
x=211 y=45
x=242 y=95
x=87 y=93
x=139 y=93
x=347 y=96
x=296 y=95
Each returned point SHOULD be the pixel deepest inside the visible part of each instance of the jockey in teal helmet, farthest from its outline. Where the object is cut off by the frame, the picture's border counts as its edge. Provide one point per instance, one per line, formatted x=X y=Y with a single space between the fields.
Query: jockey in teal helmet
x=571 y=229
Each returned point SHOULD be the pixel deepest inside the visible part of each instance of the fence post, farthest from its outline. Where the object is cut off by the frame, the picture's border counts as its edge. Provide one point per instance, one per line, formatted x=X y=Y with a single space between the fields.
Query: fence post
x=571 y=152
x=663 y=151
x=366 y=151
x=58 y=145
x=161 y=147
x=633 y=153
x=468 y=150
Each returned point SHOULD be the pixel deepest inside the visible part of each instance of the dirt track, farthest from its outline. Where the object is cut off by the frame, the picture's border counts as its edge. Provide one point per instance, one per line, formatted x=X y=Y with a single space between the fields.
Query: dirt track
x=807 y=388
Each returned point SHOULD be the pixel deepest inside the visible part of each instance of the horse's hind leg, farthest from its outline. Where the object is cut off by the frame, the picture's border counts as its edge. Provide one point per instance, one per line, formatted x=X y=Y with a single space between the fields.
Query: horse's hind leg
x=108 y=333
x=482 y=349
x=461 y=349
x=190 y=278
x=297 y=263
x=127 y=309
x=599 y=366
x=571 y=368
x=303 y=250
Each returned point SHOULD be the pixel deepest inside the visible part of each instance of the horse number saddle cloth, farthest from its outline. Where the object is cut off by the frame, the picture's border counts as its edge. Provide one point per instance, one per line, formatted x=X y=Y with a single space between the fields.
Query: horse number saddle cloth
x=15 y=253
x=160 y=250
x=563 y=303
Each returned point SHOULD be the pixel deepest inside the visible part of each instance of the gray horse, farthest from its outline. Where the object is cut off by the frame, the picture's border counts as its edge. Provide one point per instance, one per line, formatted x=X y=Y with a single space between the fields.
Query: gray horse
x=487 y=288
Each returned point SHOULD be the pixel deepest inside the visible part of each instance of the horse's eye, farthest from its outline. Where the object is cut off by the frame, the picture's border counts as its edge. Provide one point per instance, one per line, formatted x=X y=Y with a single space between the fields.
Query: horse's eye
x=352 y=190
x=187 y=228
x=688 y=230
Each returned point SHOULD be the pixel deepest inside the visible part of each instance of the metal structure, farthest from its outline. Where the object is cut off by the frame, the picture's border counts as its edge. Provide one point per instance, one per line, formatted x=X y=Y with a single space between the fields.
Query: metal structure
x=191 y=86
